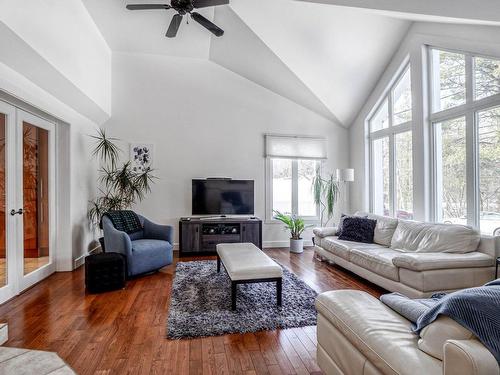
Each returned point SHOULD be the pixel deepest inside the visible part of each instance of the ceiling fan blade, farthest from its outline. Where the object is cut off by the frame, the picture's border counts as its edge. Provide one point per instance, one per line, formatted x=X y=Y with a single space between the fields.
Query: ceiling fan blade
x=209 y=3
x=214 y=29
x=147 y=6
x=174 y=26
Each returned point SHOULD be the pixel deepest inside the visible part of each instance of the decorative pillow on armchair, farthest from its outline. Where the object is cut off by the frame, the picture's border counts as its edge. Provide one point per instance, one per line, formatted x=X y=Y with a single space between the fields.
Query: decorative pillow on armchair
x=358 y=229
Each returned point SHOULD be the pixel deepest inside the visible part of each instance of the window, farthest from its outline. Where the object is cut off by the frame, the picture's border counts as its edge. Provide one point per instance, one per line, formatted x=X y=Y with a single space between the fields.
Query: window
x=466 y=139
x=292 y=163
x=292 y=186
x=391 y=165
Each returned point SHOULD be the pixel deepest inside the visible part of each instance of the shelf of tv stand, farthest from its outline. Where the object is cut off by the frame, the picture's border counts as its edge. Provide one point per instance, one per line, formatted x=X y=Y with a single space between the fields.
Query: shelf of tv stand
x=196 y=239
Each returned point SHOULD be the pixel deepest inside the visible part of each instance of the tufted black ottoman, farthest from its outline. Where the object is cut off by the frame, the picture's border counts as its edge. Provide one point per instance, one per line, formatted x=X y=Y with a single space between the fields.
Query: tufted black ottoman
x=105 y=272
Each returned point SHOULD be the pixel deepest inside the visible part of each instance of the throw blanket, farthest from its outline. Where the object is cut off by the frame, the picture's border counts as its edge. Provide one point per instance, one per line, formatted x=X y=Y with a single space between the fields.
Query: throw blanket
x=125 y=221
x=477 y=309
x=411 y=309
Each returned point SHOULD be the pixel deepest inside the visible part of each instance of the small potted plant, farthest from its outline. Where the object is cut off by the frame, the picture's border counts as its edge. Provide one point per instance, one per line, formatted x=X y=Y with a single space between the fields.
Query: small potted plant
x=296 y=226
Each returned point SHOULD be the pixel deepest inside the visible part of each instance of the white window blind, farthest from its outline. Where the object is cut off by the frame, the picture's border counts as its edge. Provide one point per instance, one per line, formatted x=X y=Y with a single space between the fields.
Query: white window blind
x=295 y=147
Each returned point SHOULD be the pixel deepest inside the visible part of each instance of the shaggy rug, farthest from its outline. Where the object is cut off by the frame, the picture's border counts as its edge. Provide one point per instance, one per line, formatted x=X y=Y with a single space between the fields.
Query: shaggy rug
x=201 y=303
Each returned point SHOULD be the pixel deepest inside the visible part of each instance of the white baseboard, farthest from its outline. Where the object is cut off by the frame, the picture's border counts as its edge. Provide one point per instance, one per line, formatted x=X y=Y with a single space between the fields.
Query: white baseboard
x=80 y=261
x=273 y=244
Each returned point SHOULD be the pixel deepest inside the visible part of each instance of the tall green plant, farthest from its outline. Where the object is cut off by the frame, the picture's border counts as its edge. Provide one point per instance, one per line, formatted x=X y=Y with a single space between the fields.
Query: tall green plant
x=326 y=192
x=293 y=223
x=121 y=186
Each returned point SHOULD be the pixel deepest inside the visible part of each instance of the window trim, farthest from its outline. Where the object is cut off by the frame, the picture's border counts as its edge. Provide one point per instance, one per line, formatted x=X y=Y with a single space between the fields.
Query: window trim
x=469 y=110
x=389 y=132
x=269 y=191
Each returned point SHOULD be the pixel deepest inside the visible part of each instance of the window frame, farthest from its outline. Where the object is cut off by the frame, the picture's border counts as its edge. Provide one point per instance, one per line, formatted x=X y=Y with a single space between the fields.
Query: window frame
x=389 y=132
x=469 y=110
x=295 y=203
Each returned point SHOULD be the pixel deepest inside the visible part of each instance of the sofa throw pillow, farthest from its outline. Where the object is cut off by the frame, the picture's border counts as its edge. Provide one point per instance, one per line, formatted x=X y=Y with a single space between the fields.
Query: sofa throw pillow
x=358 y=229
x=341 y=221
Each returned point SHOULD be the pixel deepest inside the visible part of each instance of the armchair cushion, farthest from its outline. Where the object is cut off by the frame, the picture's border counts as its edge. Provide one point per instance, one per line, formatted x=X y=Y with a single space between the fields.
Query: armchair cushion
x=157 y=231
x=436 y=261
x=148 y=255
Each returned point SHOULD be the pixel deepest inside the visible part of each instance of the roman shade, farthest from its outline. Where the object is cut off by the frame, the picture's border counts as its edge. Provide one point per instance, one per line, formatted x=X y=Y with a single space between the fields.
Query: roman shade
x=295 y=147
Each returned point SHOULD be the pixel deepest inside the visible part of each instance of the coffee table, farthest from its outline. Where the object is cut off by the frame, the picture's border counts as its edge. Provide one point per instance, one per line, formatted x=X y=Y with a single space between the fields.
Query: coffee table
x=245 y=263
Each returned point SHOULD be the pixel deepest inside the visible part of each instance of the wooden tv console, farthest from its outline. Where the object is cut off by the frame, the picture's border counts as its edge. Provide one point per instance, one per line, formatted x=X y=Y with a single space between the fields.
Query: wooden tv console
x=200 y=236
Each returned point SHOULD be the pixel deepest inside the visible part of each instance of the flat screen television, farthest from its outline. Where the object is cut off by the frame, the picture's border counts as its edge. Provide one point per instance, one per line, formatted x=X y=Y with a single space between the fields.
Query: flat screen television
x=223 y=197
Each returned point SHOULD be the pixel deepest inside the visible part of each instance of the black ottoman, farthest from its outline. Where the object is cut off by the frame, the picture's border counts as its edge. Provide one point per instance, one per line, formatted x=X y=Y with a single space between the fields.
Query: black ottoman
x=105 y=272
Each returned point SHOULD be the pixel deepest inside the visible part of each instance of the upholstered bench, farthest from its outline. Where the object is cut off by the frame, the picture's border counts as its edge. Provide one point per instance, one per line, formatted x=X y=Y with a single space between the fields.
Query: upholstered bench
x=245 y=263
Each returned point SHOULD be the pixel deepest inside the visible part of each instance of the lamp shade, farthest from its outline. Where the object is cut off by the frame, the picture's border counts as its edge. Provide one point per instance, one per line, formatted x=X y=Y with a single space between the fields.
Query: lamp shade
x=345 y=175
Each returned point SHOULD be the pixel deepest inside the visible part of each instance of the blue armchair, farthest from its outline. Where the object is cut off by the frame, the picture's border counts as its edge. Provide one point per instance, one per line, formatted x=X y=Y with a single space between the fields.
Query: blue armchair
x=147 y=250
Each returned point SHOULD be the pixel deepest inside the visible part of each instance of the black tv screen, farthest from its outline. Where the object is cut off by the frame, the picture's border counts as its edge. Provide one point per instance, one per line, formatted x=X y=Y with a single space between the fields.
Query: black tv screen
x=223 y=197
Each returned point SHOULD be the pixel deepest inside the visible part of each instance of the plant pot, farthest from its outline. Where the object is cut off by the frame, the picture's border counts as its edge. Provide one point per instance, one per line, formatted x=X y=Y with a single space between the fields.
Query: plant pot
x=296 y=246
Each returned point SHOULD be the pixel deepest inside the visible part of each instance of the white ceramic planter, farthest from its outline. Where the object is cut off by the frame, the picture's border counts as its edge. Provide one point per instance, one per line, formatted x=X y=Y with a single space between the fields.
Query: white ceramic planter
x=296 y=246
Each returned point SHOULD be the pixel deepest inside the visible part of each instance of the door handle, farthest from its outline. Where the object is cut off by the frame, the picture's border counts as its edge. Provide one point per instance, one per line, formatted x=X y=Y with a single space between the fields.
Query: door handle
x=14 y=212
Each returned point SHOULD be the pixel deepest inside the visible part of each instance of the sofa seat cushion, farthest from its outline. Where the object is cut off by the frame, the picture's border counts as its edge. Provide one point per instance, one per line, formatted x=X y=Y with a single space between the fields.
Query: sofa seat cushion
x=341 y=248
x=437 y=261
x=434 y=238
x=384 y=230
x=380 y=334
x=377 y=260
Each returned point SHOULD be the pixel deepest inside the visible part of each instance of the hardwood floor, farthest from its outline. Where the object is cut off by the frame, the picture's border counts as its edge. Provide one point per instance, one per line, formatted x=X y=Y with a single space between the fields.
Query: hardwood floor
x=124 y=331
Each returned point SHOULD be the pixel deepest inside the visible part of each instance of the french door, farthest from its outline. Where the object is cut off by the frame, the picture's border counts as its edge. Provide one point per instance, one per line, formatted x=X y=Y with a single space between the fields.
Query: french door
x=27 y=183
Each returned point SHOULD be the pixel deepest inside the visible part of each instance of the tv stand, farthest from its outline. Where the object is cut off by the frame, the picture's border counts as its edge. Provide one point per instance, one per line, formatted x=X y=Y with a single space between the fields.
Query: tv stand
x=200 y=236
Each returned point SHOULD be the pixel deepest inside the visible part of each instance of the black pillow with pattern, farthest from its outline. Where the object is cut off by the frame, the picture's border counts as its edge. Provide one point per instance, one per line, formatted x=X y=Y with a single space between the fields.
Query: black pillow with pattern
x=358 y=229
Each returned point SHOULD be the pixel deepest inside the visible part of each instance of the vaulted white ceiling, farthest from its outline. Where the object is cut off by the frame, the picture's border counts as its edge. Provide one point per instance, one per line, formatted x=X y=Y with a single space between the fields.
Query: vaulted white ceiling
x=324 y=58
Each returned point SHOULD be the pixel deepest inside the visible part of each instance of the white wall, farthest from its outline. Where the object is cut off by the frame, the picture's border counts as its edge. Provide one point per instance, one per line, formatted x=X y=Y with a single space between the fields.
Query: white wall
x=65 y=36
x=477 y=39
x=205 y=121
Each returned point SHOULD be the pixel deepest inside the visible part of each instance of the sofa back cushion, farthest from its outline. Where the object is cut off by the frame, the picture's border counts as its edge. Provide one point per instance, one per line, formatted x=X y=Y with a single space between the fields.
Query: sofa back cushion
x=434 y=238
x=384 y=230
x=434 y=336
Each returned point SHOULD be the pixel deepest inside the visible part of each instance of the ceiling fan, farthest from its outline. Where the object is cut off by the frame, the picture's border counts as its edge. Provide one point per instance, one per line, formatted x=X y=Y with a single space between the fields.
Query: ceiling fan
x=183 y=7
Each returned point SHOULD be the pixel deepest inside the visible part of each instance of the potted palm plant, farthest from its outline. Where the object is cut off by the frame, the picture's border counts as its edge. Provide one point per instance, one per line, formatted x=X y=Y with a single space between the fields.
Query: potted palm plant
x=296 y=226
x=121 y=185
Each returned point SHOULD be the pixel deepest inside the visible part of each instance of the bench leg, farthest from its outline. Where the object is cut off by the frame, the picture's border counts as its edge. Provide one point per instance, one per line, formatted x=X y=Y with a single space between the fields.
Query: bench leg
x=218 y=263
x=233 y=295
x=279 y=286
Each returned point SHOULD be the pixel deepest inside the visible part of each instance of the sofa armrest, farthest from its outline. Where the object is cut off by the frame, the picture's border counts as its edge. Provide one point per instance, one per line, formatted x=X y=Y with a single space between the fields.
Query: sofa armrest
x=325 y=232
x=116 y=240
x=437 y=261
x=468 y=357
x=158 y=232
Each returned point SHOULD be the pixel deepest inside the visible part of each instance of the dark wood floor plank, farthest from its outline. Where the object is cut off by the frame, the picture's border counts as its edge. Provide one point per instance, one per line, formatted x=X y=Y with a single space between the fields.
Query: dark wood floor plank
x=125 y=331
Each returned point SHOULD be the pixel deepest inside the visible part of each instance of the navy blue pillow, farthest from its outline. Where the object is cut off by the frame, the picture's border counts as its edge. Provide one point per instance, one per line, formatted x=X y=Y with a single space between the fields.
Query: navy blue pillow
x=358 y=229
x=341 y=222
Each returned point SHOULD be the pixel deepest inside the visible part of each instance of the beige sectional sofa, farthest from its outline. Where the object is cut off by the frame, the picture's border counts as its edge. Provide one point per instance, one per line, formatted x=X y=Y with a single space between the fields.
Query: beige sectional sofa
x=414 y=258
x=359 y=335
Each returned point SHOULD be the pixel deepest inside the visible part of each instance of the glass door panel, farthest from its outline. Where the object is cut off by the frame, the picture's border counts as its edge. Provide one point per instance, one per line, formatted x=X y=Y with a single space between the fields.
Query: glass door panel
x=35 y=197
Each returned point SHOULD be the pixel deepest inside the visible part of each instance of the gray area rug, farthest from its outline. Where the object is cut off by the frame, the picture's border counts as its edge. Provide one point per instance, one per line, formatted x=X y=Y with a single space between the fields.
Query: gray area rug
x=201 y=303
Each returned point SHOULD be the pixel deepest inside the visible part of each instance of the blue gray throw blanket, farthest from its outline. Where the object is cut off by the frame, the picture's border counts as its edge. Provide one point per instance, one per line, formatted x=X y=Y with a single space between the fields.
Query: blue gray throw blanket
x=477 y=309
x=125 y=221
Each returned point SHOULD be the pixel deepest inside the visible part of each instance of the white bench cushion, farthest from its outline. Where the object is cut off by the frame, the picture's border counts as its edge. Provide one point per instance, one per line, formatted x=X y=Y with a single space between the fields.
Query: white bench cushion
x=245 y=261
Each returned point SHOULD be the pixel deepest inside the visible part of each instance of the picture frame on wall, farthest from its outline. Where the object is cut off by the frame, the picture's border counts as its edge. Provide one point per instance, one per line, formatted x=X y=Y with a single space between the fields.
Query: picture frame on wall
x=141 y=156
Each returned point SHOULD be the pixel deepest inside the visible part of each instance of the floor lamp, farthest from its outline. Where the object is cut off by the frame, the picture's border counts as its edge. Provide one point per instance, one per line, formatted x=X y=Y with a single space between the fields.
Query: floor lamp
x=345 y=176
